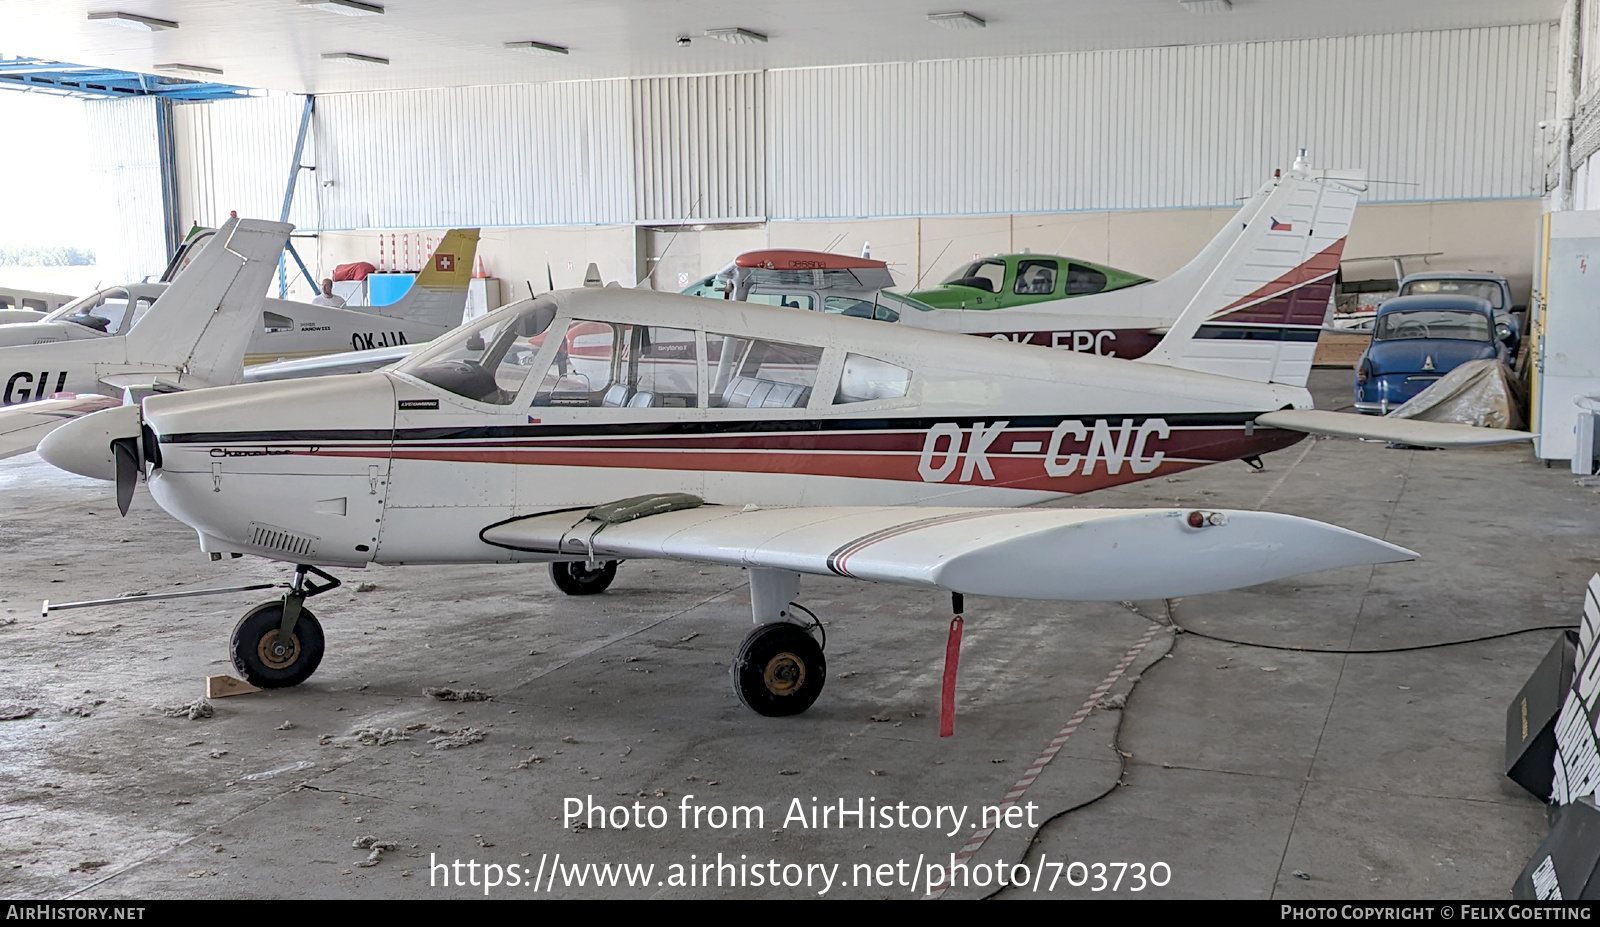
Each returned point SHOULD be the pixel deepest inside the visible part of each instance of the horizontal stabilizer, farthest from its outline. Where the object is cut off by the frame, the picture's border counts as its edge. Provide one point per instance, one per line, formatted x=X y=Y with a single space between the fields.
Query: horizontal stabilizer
x=327 y=365
x=1395 y=430
x=24 y=425
x=1086 y=555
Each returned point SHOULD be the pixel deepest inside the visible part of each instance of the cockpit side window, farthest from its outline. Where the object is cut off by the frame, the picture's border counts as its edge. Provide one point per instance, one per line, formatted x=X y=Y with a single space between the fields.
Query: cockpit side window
x=105 y=312
x=1035 y=278
x=1083 y=280
x=490 y=360
x=618 y=365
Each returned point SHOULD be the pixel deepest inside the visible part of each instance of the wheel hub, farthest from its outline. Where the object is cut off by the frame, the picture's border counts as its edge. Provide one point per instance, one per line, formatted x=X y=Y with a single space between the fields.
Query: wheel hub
x=275 y=654
x=785 y=674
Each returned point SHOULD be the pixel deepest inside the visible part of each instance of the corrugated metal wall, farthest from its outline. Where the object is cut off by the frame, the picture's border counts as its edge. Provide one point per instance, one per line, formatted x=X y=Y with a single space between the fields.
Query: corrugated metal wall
x=522 y=154
x=234 y=155
x=1438 y=115
x=125 y=151
x=1431 y=115
x=699 y=147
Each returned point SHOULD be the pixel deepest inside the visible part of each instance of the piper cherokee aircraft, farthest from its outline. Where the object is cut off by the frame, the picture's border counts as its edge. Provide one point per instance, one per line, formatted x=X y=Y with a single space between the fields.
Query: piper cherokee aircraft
x=432 y=306
x=193 y=335
x=585 y=427
x=1025 y=297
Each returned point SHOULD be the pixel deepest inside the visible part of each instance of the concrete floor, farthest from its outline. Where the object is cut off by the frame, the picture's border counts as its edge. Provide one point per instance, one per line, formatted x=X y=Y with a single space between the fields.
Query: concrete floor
x=1249 y=773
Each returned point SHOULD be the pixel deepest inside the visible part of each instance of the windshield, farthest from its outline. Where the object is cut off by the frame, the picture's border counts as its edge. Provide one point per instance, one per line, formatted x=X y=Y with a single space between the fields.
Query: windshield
x=984 y=275
x=488 y=360
x=104 y=311
x=1483 y=289
x=1432 y=323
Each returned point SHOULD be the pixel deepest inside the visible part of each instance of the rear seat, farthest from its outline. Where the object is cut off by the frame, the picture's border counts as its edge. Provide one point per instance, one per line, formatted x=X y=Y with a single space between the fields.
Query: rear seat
x=756 y=393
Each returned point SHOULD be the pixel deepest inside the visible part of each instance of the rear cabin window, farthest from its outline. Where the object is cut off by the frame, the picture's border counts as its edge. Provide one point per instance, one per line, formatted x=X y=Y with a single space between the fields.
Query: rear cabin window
x=37 y=305
x=1082 y=280
x=1035 y=278
x=273 y=322
x=865 y=379
x=859 y=308
x=751 y=373
x=7 y=302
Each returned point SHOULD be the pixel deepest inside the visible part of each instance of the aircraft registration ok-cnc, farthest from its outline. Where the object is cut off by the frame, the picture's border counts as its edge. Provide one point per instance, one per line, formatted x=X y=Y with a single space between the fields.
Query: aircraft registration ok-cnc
x=586 y=427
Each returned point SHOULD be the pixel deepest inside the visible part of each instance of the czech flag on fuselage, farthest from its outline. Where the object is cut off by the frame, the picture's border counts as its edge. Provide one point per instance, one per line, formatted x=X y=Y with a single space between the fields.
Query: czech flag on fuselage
x=1282 y=226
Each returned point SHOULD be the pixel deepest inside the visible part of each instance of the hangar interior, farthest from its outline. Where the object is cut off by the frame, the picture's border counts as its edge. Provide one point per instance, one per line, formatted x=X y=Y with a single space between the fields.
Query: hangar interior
x=1307 y=741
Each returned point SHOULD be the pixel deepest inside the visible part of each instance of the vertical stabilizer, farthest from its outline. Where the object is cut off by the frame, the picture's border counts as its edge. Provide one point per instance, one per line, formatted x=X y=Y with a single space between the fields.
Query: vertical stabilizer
x=439 y=294
x=1257 y=310
x=204 y=319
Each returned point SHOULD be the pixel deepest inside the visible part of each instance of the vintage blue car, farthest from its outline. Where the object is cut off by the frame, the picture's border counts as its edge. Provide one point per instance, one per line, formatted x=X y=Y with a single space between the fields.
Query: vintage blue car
x=1418 y=339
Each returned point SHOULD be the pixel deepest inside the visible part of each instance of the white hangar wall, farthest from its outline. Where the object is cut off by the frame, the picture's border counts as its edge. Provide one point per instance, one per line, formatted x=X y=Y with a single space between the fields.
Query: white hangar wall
x=1047 y=141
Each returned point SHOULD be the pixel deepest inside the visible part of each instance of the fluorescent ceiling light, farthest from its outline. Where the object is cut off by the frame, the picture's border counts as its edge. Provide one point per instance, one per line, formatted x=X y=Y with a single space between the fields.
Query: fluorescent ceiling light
x=194 y=70
x=133 y=21
x=1207 y=6
x=344 y=7
x=353 y=58
x=956 y=20
x=537 y=48
x=735 y=36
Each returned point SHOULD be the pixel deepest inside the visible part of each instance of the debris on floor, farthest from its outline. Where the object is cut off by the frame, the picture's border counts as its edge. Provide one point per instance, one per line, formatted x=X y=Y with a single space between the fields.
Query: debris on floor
x=1112 y=702
x=376 y=738
x=268 y=774
x=83 y=709
x=450 y=738
x=447 y=694
x=194 y=711
x=377 y=847
x=14 y=711
x=366 y=587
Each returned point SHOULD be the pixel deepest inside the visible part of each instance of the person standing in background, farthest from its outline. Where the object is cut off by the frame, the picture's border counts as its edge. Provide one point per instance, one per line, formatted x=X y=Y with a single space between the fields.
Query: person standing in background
x=326 y=297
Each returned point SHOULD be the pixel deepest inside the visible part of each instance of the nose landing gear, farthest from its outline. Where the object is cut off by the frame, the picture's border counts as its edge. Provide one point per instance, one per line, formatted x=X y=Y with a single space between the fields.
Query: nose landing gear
x=279 y=644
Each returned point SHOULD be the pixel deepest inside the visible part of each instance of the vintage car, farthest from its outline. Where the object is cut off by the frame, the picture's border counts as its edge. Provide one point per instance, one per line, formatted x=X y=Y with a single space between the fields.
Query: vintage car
x=1493 y=287
x=1418 y=339
x=1020 y=279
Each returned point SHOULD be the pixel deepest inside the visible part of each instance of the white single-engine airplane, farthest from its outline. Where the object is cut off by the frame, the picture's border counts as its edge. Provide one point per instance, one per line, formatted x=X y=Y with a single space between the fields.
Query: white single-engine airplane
x=192 y=335
x=432 y=306
x=590 y=426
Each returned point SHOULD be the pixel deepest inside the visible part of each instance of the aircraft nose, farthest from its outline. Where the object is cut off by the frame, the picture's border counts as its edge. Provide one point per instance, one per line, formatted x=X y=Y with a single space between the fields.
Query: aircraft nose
x=84 y=446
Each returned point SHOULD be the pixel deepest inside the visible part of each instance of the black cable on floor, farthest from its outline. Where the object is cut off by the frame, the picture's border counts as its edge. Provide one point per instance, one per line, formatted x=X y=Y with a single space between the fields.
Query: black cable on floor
x=1470 y=640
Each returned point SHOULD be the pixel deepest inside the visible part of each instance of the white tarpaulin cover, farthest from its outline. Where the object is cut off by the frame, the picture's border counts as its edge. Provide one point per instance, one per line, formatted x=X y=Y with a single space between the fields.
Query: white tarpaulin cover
x=1476 y=393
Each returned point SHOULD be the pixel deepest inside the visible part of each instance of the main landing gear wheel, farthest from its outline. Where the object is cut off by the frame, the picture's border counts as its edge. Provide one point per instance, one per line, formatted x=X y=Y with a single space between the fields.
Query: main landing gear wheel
x=779 y=670
x=267 y=662
x=575 y=578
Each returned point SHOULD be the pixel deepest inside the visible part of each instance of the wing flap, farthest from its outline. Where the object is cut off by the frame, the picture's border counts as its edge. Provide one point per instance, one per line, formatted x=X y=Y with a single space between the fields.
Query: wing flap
x=1396 y=430
x=1088 y=555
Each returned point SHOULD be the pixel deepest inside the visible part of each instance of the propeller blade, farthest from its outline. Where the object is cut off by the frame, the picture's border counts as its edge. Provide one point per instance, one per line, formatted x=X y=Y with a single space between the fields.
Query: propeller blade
x=126 y=452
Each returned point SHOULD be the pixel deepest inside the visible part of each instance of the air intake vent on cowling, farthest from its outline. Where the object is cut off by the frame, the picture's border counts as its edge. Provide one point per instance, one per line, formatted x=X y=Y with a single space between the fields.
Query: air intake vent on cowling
x=278 y=539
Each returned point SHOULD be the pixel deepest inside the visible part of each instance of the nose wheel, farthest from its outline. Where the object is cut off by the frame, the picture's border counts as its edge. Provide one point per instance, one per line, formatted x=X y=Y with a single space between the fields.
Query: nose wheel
x=779 y=670
x=268 y=660
x=279 y=644
x=575 y=578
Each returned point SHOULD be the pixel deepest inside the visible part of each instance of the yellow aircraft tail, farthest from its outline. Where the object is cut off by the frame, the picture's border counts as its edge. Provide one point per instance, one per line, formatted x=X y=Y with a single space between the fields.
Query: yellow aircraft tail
x=439 y=294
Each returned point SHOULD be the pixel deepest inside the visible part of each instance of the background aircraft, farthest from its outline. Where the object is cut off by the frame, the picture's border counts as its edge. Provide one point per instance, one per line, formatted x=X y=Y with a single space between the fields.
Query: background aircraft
x=785 y=442
x=432 y=306
x=193 y=335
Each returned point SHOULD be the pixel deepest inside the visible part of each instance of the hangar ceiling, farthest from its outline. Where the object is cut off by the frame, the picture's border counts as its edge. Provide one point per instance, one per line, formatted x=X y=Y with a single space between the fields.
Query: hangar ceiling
x=280 y=44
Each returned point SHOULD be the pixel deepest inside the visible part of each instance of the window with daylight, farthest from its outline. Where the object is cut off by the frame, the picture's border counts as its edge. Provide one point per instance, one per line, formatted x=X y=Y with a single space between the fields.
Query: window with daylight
x=865 y=379
x=756 y=374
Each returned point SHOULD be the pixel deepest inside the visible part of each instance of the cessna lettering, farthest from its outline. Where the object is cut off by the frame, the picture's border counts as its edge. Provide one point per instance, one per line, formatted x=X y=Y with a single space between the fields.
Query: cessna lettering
x=20 y=387
x=1082 y=342
x=949 y=445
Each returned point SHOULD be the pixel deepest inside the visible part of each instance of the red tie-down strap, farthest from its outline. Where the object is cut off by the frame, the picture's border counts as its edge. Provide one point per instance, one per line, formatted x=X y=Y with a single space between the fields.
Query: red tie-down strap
x=952 y=662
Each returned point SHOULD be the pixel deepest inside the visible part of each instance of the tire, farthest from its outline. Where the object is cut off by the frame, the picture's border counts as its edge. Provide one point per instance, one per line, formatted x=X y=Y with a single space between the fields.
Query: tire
x=575 y=578
x=254 y=638
x=779 y=670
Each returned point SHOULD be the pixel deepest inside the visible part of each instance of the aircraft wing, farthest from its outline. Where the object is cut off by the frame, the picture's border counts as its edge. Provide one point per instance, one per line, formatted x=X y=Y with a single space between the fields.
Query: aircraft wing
x=330 y=364
x=24 y=425
x=1381 y=428
x=1087 y=555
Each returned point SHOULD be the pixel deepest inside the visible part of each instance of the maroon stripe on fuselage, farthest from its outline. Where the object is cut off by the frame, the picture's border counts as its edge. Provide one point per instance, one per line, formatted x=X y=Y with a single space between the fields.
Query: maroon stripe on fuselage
x=1126 y=343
